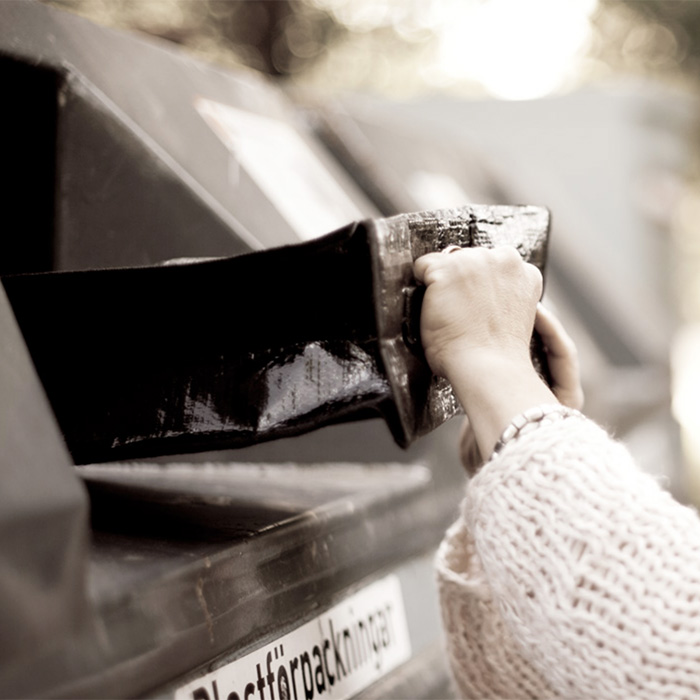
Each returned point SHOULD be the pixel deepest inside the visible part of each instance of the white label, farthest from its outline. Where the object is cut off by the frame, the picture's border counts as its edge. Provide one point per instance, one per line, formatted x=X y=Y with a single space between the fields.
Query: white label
x=282 y=165
x=332 y=657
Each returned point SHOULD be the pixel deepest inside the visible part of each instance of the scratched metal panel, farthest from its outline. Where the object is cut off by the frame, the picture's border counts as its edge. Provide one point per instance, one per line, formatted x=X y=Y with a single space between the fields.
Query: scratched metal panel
x=200 y=580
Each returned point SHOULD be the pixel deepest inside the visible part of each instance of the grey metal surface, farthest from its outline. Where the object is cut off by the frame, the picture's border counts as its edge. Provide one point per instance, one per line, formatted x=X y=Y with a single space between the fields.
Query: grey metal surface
x=127 y=172
x=141 y=173
x=229 y=556
x=43 y=516
x=424 y=676
x=437 y=171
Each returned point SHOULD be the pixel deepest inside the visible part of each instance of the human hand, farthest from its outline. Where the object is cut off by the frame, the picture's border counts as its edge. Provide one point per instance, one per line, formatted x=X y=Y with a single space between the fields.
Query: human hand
x=562 y=358
x=477 y=320
x=479 y=302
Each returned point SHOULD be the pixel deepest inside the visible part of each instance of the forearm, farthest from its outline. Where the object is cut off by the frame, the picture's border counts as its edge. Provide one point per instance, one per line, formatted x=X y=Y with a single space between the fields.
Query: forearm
x=493 y=389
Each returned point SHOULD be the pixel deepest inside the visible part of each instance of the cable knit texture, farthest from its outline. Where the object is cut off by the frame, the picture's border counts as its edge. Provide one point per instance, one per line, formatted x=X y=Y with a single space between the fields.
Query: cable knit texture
x=571 y=574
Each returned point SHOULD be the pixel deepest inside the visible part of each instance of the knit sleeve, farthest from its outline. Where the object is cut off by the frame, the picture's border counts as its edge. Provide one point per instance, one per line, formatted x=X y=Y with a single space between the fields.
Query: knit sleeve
x=571 y=574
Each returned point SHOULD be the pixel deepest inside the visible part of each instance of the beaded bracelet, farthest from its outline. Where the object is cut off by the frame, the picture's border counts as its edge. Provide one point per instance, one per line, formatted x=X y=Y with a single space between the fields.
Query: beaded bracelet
x=530 y=419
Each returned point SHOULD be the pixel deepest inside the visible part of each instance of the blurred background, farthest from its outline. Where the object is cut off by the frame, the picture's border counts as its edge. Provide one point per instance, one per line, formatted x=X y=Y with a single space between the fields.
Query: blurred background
x=588 y=107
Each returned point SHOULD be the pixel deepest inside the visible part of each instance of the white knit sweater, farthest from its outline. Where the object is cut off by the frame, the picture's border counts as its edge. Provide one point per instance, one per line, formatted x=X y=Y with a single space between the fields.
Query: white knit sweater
x=571 y=574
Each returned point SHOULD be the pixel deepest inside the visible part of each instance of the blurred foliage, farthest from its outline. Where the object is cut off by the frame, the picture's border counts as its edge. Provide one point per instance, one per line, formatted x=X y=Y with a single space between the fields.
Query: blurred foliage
x=278 y=37
x=389 y=45
x=229 y=32
x=657 y=38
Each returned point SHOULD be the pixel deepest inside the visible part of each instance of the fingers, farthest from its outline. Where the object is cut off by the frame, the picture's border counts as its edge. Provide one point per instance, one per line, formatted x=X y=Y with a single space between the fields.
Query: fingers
x=423 y=264
x=477 y=299
x=501 y=269
x=554 y=336
x=501 y=256
x=562 y=357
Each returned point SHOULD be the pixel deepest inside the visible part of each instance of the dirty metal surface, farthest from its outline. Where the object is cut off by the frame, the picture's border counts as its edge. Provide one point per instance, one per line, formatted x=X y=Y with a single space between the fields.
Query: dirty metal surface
x=235 y=351
x=43 y=512
x=201 y=580
x=114 y=183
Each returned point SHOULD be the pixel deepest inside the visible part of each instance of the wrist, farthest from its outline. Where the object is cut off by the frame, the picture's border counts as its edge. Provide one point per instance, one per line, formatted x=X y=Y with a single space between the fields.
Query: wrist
x=493 y=388
x=483 y=369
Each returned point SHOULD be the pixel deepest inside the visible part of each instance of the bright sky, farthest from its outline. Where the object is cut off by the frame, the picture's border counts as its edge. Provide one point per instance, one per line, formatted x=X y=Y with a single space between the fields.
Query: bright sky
x=517 y=49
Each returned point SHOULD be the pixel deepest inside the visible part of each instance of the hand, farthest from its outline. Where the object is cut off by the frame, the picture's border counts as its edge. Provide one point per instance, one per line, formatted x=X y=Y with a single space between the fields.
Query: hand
x=562 y=358
x=477 y=301
x=476 y=324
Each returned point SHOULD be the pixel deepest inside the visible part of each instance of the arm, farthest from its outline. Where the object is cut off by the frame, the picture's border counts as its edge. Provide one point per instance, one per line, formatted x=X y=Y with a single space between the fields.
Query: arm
x=562 y=358
x=570 y=572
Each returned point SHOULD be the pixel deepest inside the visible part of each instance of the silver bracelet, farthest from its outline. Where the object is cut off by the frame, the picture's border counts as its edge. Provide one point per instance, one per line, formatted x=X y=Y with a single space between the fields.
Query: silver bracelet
x=532 y=418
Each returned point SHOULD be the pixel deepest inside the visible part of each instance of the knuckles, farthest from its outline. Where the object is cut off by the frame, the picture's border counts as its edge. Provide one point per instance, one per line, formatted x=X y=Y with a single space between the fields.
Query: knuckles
x=500 y=268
